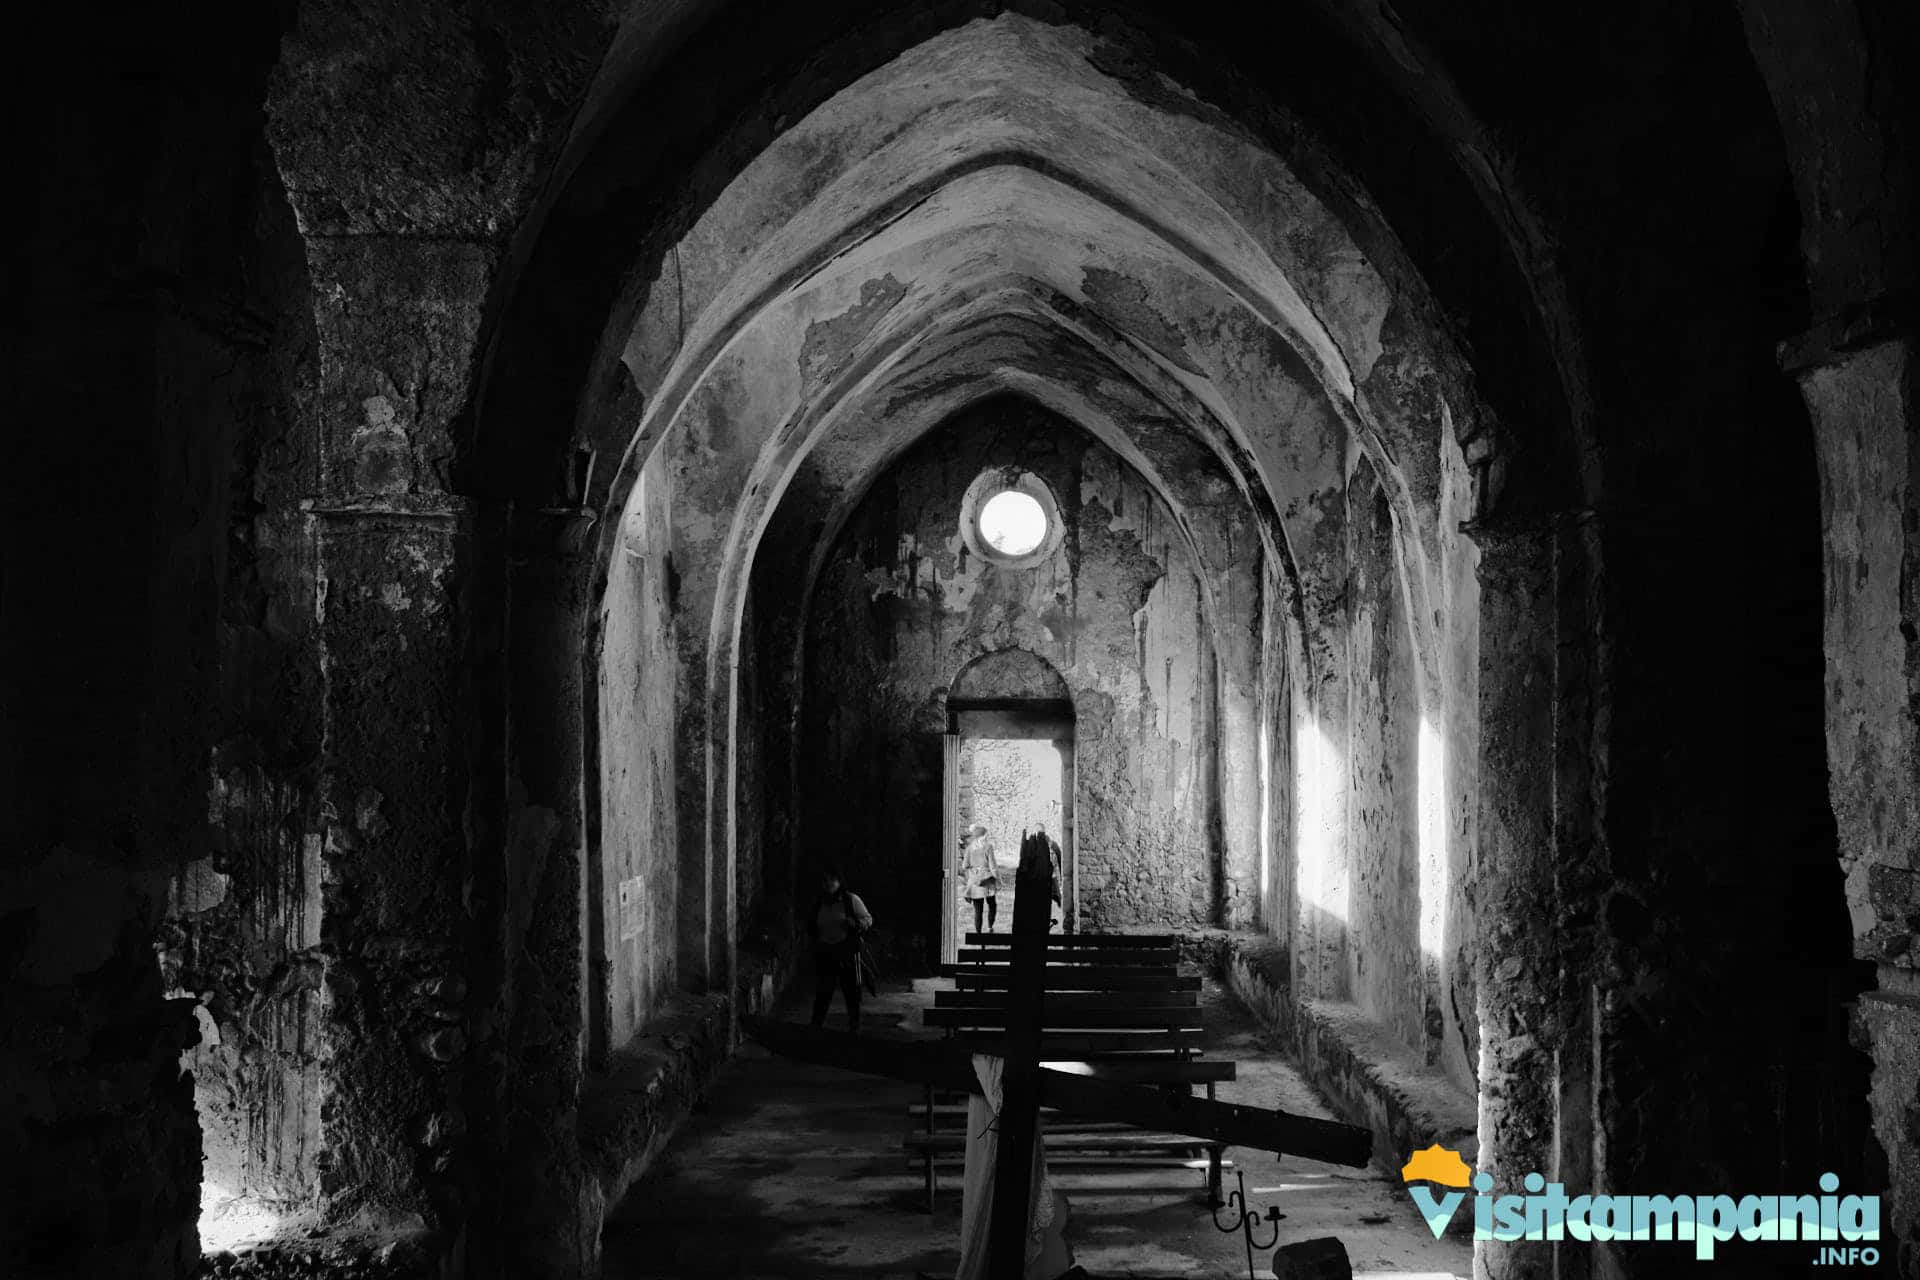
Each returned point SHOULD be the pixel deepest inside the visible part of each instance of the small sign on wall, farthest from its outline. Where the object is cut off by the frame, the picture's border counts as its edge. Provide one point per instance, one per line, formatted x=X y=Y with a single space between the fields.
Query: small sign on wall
x=632 y=914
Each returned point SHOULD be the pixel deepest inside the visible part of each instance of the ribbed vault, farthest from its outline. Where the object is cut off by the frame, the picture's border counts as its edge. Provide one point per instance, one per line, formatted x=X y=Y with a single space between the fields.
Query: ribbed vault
x=995 y=212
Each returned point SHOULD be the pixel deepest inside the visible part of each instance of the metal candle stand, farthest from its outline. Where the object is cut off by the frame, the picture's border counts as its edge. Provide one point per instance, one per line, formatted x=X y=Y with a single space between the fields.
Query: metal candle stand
x=1244 y=1222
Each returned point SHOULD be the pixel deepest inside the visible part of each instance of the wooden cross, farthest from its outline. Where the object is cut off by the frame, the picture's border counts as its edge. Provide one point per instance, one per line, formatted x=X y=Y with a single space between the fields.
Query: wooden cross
x=1027 y=1086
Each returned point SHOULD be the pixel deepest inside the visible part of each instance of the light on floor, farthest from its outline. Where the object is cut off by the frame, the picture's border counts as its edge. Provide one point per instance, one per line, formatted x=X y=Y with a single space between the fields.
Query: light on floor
x=229 y=1223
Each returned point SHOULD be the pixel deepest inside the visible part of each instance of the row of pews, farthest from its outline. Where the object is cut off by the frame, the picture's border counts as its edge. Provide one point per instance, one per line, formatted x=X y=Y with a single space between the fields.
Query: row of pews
x=1118 y=1008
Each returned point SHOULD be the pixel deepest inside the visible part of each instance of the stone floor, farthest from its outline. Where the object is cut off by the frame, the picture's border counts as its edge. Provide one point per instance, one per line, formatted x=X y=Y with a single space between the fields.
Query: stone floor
x=797 y=1171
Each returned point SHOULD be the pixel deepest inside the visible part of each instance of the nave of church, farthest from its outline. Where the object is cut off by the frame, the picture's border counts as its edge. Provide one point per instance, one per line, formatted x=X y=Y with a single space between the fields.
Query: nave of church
x=1417 y=500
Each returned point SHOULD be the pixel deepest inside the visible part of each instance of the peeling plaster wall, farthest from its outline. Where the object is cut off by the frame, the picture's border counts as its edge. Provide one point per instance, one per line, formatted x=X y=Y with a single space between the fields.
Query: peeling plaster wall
x=1356 y=924
x=634 y=952
x=903 y=607
x=1277 y=693
x=414 y=144
x=1458 y=1050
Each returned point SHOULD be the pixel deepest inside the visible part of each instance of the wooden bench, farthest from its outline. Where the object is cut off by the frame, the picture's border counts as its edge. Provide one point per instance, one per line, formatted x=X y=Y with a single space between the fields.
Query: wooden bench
x=1117 y=1008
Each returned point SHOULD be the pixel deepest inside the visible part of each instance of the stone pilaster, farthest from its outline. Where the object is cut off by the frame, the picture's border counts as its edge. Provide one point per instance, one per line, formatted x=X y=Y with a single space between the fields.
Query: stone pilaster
x=392 y=928
x=1237 y=651
x=546 y=907
x=1517 y=969
x=1859 y=384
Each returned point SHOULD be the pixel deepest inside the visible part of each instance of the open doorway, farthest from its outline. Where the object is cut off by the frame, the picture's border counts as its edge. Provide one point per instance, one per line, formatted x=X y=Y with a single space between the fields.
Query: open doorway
x=1007 y=787
x=1009 y=770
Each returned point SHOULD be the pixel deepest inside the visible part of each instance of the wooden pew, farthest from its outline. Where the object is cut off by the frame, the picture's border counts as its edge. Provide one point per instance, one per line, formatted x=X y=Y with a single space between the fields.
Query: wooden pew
x=1116 y=1008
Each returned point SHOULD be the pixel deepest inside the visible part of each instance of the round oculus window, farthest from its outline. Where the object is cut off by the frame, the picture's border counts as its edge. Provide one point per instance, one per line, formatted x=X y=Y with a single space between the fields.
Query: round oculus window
x=1009 y=516
x=1013 y=523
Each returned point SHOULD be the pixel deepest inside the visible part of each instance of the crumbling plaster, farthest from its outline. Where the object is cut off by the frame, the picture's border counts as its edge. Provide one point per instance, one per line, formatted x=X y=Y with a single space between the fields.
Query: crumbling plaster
x=1116 y=609
x=383 y=461
x=744 y=352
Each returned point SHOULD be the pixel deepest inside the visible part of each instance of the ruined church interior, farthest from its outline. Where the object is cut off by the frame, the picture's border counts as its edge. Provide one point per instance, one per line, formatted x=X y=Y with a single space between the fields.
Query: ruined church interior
x=1406 y=512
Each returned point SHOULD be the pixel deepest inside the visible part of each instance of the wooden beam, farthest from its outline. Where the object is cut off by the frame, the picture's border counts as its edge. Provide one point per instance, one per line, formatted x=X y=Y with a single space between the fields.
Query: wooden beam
x=1019 y=1081
x=986 y=958
x=1280 y=1132
x=1072 y=1044
x=1080 y=1020
x=1070 y=1001
x=1068 y=941
x=923 y=1062
x=950 y=1068
x=1121 y=1140
x=1075 y=977
x=1146 y=1071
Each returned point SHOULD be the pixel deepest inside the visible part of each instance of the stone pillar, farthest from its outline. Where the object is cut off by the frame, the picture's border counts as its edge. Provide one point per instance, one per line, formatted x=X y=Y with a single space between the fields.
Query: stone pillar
x=1517 y=969
x=1320 y=865
x=1237 y=653
x=1860 y=388
x=397 y=321
x=1275 y=708
x=1579 y=873
x=537 y=1230
x=696 y=800
x=392 y=929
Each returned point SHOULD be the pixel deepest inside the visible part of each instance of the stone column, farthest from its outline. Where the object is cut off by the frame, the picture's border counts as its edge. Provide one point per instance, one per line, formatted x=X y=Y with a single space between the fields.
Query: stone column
x=550 y=573
x=1517 y=965
x=1319 y=791
x=1860 y=388
x=397 y=321
x=1237 y=653
x=697 y=802
x=1580 y=873
x=392 y=931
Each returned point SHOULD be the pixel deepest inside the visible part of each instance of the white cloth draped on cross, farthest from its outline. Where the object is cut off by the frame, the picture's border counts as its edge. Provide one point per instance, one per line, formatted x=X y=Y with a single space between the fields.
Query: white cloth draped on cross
x=1047 y=1253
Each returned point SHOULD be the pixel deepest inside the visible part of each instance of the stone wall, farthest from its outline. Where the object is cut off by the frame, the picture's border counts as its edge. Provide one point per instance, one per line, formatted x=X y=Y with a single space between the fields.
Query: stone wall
x=638 y=882
x=218 y=697
x=1116 y=609
x=1388 y=977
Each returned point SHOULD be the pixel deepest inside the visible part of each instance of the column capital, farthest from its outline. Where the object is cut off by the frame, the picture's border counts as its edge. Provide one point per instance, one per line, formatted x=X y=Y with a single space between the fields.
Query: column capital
x=1498 y=527
x=1518 y=551
x=1891 y=317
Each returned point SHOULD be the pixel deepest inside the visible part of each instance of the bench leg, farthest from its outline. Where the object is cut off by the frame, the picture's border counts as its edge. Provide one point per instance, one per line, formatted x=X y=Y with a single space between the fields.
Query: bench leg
x=932 y=1177
x=1213 y=1160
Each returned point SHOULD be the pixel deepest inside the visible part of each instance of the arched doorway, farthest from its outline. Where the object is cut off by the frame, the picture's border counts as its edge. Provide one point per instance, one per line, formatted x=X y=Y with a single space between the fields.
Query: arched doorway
x=1009 y=767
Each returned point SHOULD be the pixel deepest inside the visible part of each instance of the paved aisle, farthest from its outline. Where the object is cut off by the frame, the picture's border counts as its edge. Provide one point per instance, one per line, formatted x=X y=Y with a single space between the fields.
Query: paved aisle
x=797 y=1171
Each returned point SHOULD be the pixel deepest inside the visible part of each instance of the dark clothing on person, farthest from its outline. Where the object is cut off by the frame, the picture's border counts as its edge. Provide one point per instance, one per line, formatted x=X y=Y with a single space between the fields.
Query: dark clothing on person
x=836 y=965
x=836 y=923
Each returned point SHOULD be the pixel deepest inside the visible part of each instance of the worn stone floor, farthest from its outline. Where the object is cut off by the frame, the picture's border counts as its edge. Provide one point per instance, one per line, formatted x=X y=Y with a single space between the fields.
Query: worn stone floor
x=793 y=1170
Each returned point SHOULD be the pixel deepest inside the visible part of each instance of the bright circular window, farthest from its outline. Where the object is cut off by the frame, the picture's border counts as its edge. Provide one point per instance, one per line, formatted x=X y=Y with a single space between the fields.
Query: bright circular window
x=1013 y=523
x=1009 y=516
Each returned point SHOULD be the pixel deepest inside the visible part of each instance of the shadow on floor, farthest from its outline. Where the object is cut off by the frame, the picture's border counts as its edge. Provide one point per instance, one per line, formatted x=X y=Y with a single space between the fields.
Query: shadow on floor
x=792 y=1170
